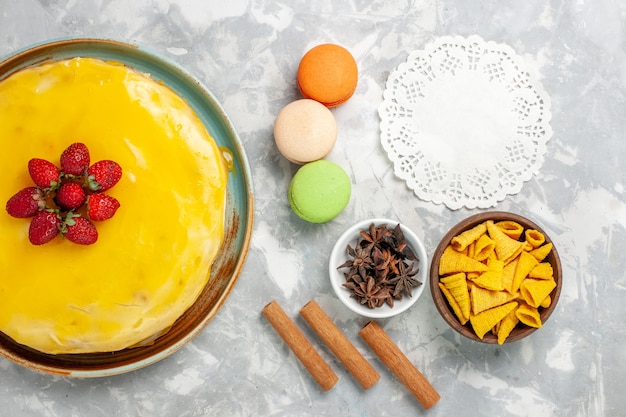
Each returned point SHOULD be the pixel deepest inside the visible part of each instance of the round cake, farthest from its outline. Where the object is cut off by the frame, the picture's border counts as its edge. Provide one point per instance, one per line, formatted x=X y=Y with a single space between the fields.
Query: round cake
x=152 y=259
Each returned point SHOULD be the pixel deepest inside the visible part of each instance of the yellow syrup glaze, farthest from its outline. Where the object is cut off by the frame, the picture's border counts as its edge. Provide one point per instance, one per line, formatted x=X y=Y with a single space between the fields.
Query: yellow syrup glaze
x=152 y=259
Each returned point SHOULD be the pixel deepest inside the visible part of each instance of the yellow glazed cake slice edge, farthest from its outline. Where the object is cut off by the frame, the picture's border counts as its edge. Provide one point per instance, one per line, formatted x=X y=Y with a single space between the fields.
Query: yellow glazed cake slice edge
x=153 y=258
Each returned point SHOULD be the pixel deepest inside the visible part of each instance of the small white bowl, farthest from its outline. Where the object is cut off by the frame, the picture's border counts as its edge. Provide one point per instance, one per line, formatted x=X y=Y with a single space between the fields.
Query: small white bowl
x=339 y=255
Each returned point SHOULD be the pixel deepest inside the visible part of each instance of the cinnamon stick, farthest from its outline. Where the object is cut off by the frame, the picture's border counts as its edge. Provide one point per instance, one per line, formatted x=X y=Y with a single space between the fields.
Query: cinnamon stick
x=339 y=344
x=399 y=364
x=300 y=346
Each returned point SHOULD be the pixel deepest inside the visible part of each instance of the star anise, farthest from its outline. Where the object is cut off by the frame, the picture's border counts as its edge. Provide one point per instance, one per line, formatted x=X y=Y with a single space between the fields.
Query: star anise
x=355 y=277
x=384 y=295
x=401 y=246
x=376 y=235
x=381 y=267
x=404 y=281
x=366 y=292
x=360 y=262
x=385 y=262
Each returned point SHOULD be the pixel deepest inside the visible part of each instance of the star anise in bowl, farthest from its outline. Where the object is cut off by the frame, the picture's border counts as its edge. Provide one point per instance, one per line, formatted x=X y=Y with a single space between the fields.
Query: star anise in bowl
x=376 y=268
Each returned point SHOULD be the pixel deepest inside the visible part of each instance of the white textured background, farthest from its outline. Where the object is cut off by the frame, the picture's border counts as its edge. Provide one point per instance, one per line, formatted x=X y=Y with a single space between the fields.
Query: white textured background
x=246 y=53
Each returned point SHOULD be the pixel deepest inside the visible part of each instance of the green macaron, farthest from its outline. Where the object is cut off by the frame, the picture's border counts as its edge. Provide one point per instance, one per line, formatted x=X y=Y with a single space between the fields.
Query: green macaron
x=319 y=191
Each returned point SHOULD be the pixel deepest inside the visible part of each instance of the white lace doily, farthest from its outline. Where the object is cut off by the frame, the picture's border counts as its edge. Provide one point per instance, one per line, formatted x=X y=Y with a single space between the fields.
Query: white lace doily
x=464 y=122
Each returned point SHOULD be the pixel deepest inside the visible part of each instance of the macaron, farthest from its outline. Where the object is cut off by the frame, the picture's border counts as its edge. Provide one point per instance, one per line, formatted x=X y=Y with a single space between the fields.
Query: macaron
x=305 y=131
x=328 y=73
x=319 y=191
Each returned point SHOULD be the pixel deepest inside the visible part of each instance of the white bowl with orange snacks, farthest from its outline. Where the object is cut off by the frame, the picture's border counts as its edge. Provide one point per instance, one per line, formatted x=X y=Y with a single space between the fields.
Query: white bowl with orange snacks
x=495 y=277
x=394 y=264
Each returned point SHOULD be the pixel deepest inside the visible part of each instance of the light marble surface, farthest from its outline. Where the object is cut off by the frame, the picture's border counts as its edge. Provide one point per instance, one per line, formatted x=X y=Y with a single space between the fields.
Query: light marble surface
x=247 y=52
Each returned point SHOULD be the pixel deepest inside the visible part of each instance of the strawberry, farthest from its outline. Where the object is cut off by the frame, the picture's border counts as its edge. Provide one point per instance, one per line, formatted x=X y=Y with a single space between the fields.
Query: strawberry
x=26 y=203
x=80 y=230
x=70 y=196
x=75 y=159
x=43 y=227
x=44 y=173
x=101 y=206
x=103 y=175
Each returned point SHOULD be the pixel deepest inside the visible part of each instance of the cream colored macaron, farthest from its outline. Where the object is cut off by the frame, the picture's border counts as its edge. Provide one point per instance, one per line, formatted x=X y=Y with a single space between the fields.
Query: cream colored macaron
x=305 y=131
